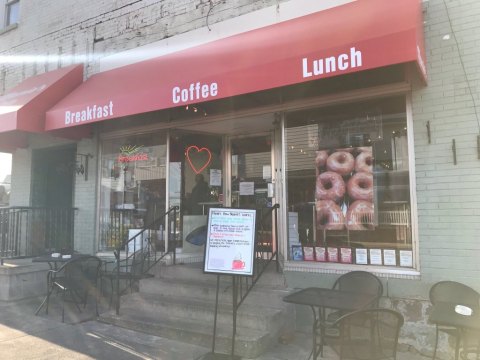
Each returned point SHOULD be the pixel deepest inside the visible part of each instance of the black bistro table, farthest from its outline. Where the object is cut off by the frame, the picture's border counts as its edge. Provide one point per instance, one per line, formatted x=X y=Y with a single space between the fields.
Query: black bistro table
x=320 y=299
x=444 y=314
x=53 y=262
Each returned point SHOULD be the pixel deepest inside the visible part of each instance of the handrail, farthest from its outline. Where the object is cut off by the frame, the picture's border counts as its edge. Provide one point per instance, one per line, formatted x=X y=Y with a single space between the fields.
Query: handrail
x=21 y=207
x=262 y=259
x=242 y=285
x=144 y=251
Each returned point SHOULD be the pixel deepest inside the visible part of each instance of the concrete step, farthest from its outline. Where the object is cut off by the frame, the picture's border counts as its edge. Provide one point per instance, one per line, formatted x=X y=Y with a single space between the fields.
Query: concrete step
x=249 y=343
x=161 y=306
x=179 y=303
x=269 y=279
x=206 y=290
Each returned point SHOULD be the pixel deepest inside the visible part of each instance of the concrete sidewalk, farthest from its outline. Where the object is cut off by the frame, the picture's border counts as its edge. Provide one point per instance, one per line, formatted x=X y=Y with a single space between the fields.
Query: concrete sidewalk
x=26 y=336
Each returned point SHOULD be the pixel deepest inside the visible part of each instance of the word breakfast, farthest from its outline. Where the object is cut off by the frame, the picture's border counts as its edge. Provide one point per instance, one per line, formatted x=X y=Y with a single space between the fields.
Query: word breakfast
x=89 y=113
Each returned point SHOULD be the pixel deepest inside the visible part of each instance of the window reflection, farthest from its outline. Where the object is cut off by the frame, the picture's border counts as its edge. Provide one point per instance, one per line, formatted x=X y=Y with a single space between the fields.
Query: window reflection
x=133 y=181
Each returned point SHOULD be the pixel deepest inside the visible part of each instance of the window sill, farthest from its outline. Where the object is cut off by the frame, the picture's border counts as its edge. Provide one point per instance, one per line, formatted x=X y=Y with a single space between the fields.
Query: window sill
x=8 y=28
x=337 y=268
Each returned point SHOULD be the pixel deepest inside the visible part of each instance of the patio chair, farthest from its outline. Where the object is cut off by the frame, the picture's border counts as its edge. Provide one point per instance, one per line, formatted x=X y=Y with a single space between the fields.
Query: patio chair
x=361 y=282
x=355 y=281
x=76 y=278
x=370 y=334
x=129 y=270
x=456 y=293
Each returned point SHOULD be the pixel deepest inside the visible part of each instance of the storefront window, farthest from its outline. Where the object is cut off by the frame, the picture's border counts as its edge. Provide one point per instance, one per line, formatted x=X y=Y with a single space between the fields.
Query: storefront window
x=348 y=184
x=133 y=186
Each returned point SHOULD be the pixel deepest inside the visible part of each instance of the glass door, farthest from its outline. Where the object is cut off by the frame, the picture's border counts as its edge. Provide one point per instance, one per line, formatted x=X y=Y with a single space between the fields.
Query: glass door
x=251 y=172
x=195 y=183
x=253 y=184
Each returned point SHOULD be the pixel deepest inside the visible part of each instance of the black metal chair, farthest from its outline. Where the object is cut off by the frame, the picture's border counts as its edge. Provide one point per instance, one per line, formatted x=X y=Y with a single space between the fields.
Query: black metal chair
x=370 y=334
x=360 y=282
x=128 y=271
x=355 y=281
x=455 y=293
x=76 y=278
x=471 y=345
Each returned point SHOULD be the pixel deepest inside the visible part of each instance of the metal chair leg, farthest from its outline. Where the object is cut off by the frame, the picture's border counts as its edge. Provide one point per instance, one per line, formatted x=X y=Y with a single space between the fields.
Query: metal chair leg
x=111 y=294
x=102 y=291
x=63 y=306
x=97 y=295
x=314 y=352
x=457 y=345
x=436 y=343
x=46 y=301
x=478 y=350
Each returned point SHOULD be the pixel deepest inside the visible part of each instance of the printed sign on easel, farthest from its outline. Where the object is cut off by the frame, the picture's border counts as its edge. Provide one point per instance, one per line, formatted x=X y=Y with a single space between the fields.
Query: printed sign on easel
x=230 y=242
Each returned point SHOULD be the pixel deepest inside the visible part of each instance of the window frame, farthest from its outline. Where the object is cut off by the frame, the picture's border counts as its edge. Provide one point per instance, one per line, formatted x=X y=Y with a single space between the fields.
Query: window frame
x=7 y=11
x=338 y=268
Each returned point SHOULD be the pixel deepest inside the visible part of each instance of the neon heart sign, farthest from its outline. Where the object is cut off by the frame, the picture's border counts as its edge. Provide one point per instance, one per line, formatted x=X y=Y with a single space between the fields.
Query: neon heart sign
x=192 y=150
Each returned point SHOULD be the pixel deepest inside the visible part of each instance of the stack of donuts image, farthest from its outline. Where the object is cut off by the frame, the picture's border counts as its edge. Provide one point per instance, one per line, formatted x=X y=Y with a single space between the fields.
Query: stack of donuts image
x=344 y=177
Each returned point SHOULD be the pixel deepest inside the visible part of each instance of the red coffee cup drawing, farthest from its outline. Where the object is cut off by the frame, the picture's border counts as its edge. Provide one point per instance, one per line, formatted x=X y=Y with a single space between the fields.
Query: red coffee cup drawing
x=238 y=263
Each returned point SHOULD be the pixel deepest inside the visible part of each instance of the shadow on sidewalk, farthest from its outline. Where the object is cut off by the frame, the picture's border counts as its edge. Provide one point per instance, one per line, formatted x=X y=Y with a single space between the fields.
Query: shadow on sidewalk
x=26 y=336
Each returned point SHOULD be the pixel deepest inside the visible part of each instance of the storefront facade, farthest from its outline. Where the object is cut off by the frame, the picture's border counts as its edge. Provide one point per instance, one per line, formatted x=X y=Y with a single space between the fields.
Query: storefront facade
x=349 y=156
x=332 y=128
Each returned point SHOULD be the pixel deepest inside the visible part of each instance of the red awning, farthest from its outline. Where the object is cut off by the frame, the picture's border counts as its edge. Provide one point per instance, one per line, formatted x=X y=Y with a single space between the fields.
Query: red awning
x=23 y=108
x=357 y=36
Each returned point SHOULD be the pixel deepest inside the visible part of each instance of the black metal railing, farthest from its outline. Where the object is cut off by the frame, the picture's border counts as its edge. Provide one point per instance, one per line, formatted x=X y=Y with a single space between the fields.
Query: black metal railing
x=114 y=226
x=143 y=250
x=31 y=231
x=266 y=251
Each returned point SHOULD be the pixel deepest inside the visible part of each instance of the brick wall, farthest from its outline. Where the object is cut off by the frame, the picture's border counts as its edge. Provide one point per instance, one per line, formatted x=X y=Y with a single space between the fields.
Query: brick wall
x=51 y=34
x=449 y=195
x=85 y=200
x=21 y=174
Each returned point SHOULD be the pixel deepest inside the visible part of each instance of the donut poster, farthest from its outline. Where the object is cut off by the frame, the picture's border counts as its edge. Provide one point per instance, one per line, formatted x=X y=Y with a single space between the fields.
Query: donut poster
x=344 y=189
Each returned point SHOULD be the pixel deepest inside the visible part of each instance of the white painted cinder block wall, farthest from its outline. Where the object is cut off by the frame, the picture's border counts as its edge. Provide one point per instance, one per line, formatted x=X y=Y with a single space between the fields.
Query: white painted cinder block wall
x=85 y=199
x=449 y=195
